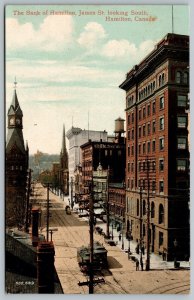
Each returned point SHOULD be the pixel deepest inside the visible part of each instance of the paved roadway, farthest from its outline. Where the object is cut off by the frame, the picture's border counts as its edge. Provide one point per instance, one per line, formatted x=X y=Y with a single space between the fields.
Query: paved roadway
x=121 y=278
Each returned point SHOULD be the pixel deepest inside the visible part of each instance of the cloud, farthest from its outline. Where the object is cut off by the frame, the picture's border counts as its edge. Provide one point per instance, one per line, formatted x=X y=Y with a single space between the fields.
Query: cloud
x=118 y=49
x=54 y=34
x=92 y=35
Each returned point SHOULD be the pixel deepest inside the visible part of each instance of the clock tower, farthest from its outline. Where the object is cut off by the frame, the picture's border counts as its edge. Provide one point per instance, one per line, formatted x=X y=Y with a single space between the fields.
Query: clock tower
x=16 y=166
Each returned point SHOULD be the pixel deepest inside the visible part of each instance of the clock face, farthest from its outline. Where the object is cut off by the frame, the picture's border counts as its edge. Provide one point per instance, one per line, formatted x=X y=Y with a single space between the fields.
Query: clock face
x=18 y=121
x=12 y=121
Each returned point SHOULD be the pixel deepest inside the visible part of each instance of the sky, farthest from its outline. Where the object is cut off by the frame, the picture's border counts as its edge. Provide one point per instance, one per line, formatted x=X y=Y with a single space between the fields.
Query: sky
x=69 y=65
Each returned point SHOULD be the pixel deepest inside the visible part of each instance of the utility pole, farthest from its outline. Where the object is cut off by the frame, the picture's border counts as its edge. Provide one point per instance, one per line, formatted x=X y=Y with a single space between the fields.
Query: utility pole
x=47 y=215
x=91 y=205
x=148 y=218
x=141 y=221
x=107 y=207
x=27 y=201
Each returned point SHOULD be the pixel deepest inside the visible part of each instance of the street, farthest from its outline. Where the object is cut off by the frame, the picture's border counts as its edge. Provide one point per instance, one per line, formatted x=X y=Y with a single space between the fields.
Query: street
x=121 y=278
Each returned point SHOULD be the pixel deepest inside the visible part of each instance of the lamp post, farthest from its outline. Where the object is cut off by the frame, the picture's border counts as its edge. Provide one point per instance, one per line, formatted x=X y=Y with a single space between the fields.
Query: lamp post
x=122 y=246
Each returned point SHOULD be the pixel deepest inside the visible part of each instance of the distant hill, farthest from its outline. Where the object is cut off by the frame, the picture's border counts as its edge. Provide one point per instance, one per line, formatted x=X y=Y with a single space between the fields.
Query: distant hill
x=42 y=162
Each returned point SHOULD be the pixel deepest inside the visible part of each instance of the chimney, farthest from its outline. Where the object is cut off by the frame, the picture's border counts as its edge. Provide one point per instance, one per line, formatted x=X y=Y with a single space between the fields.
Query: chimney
x=45 y=267
x=35 y=217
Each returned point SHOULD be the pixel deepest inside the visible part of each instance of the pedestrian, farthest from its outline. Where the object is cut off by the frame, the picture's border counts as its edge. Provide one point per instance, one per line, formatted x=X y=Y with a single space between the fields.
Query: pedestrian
x=141 y=263
x=137 y=265
x=119 y=236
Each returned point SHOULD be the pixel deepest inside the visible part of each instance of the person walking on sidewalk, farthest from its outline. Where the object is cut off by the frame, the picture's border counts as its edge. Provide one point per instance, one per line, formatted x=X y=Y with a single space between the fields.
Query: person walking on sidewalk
x=137 y=265
x=141 y=263
x=119 y=236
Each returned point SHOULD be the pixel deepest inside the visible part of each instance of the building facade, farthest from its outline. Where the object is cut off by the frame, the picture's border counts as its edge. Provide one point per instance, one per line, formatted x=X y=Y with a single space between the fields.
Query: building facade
x=110 y=155
x=16 y=166
x=78 y=137
x=157 y=155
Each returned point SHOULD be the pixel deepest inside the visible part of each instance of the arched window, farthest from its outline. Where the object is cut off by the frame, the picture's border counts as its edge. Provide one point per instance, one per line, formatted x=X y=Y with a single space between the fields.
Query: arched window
x=137 y=207
x=186 y=78
x=152 y=210
x=154 y=85
x=151 y=87
x=148 y=89
x=163 y=78
x=160 y=80
x=178 y=77
x=161 y=214
x=144 y=207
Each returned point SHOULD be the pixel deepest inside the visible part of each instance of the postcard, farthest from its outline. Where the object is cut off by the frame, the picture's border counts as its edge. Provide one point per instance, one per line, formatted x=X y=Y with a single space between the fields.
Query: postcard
x=97 y=176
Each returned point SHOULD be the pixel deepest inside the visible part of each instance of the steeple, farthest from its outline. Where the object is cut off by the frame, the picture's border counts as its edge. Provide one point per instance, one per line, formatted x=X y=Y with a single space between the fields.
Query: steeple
x=64 y=141
x=15 y=115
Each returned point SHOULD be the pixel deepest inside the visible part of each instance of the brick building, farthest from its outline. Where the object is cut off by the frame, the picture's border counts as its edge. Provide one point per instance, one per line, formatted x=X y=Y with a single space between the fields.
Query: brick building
x=16 y=166
x=110 y=155
x=157 y=147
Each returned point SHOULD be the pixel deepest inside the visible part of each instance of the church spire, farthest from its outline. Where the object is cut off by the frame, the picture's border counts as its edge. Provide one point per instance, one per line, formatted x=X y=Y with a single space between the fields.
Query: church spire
x=64 y=141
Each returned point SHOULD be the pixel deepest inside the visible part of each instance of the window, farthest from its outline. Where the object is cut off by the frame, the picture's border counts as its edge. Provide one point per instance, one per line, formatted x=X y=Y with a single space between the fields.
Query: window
x=178 y=77
x=160 y=80
x=182 y=122
x=128 y=135
x=144 y=148
x=132 y=134
x=148 y=110
x=163 y=78
x=144 y=166
x=161 y=186
x=185 y=78
x=182 y=100
x=132 y=167
x=161 y=144
x=143 y=184
x=153 y=165
x=161 y=214
x=139 y=150
x=148 y=147
x=139 y=132
x=154 y=107
x=161 y=238
x=148 y=128
x=128 y=150
x=144 y=207
x=144 y=112
x=153 y=185
x=154 y=126
x=153 y=146
x=162 y=102
x=144 y=130
x=139 y=166
x=162 y=123
x=129 y=119
x=181 y=164
x=154 y=85
x=132 y=117
x=182 y=143
x=137 y=207
x=132 y=150
x=140 y=114
x=128 y=183
x=132 y=185
x=128 y=166
x=152 y=209
x=161 y=164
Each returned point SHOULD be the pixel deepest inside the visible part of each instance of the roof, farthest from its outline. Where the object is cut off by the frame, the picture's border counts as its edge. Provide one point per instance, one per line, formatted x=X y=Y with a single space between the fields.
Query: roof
x=15 y=107
x=173 y=43
x=21 y=265
x=15 y=138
